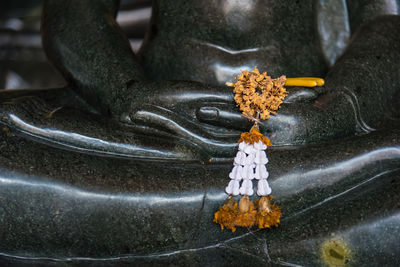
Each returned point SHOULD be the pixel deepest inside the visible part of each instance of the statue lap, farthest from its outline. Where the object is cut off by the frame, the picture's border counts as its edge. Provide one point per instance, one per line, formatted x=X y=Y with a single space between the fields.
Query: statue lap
x=82 y=188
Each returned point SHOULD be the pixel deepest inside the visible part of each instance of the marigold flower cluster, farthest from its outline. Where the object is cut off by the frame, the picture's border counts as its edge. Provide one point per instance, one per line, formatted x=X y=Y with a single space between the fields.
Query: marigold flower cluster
x=253 y=136
x=257 y=93
x=261 y=212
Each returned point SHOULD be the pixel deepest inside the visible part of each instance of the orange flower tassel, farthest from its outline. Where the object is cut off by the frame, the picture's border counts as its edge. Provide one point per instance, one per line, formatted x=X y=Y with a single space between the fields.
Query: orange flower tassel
x=268 y=214
x=226 y=215
x=247 y=213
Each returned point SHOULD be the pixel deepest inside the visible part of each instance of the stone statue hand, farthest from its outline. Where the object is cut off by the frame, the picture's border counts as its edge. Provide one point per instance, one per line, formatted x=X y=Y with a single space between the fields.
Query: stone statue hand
x=175 y=108
x=208 y=117
x=307 y=115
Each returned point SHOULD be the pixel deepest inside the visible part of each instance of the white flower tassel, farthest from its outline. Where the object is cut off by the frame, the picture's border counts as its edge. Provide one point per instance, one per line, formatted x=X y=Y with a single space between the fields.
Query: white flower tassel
x=249 y=163
x=261 y=173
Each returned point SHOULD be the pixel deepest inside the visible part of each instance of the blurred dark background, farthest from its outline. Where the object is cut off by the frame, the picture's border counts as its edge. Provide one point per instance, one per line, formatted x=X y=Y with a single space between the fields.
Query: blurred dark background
x=23 y=63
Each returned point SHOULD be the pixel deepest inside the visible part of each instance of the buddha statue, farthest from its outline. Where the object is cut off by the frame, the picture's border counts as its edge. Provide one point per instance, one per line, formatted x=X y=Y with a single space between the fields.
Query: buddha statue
x=127 y=163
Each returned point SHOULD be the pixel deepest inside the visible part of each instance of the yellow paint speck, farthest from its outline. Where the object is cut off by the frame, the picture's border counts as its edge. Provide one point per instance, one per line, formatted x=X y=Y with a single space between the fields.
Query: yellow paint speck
x=6 y=130
x=336 y=253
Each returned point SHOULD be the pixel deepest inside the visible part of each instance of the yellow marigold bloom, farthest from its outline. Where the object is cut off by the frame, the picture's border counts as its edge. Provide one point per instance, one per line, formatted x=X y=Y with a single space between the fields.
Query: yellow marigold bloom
x=254 y=136
x=247 y=213
x=268 y=214
x=230 y=215
x=226 y=215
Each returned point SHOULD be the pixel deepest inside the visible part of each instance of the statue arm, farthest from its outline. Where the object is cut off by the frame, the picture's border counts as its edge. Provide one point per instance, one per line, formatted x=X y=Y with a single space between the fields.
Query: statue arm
x=368 y=70
x=83 y=40
x=362 y=11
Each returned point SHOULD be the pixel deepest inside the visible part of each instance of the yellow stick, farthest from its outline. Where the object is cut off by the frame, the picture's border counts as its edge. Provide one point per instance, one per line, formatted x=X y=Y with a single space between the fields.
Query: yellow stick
x=299 y=81
x=304 y=81
x=319 y=81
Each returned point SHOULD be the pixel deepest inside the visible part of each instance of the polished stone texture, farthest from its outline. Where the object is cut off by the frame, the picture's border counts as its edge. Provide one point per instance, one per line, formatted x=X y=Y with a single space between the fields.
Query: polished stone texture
x=123 y=168
x=77 y=207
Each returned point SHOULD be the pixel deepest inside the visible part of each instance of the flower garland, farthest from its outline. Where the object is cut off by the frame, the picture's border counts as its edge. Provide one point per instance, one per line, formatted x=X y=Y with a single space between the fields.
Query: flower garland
x=258 y=96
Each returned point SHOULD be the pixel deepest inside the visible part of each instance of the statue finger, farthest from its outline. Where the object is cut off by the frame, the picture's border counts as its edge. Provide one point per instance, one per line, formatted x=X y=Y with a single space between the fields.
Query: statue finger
x=223 y=117
x=301 y=94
